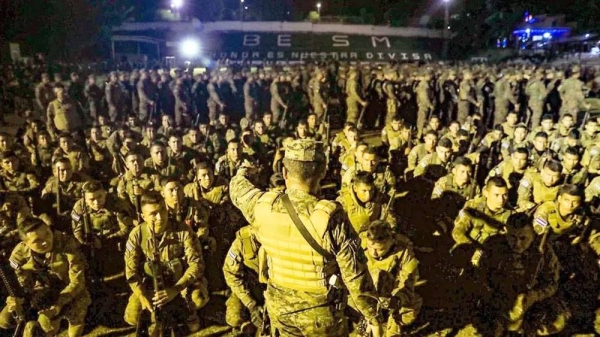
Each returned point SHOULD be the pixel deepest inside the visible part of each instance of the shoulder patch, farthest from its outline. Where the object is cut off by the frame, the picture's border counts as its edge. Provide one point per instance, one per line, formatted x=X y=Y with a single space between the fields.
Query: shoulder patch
x=525 y=183
x=461 y=214
x=232 y=255
x=14 y=264
x=129 y=247
x=505 y=145
x=539 y=221
x=76 y=217
x=438 y=191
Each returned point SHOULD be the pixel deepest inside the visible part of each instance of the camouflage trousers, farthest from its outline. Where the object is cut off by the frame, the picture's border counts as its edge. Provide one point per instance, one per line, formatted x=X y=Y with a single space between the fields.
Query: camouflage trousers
x=422 y=115
x=353 y=111
x=74 y=312
x=464 y=108
x=196 y=297
x=236 y=313
x=536 y=111
x=295 y=318
x=391 y=112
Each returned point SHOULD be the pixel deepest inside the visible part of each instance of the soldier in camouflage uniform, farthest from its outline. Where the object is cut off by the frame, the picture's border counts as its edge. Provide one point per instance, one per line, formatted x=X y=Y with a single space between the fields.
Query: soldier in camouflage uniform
x=512 y=170
x=385 y=180
x=364 y=204
x=466 y=97
x=515 y=290
x=574 y=173
x=538 y=187
x=161 y=164
x=80 y=160
x=69 y=183
x=435 y=165
x=537 y=92
x=136 y=180
x=482 y=218
x=44 y=94
x=452 y=191
x=301 y=304
x=13 y=177
x=51 y=270
x=353 y=98
x=394 y=269
x=181 y=259
x=421 y=150
x=571 y=93
x=241 y=269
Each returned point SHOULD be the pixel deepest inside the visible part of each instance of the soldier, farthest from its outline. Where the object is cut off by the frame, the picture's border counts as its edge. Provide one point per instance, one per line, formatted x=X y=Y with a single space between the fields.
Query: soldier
x=229 y=163
x=80 y=161
x=511 y=123
x=452 y=191
x=394 y=269
x=181 y=156
x=435 y=165
x=51 y=270
x=193 y=212
x=565 y=125
x=182 y=102
x=94 y=95
x=66 y=182
x=467 y=97
x=179 y=257
x=512 y=170
x=517 y=301
x=421 y=150
x=136 y=180
x=13 y=177
x=364 y=204
x=590 y=132
x=75 y=89
x=483 y=217
x=215 y=105
x=574 y=173
x=424 y=102
x=539 y=150
x=298 y=303
x=391 y=100
x=63 y=114
x=44 y=94
x=384 y=179
x=160 y=163
x=353 y=98
x=504 y=97
x=13 y=210
x=537 y=93
x=114 y=96
x=320 y=94
x=451 y=98
x=251 y=98
x=277 y=103
x=241 y=269
x=538 y=187
x=566 y=227
x=571 y=93
x=147 y=92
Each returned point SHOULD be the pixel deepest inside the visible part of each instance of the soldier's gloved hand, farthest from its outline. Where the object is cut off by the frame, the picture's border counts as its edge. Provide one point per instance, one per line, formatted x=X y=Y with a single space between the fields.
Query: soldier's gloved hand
x=14 y=304
x=256 y=316
x=165 y=296
x=51 y=312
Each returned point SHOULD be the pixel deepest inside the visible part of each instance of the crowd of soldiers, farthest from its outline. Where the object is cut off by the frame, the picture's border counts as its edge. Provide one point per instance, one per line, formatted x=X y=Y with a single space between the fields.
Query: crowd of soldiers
x=477 y=214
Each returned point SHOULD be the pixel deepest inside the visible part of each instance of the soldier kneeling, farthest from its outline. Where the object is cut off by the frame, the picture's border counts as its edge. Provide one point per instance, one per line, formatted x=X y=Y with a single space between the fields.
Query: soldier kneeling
x=52 y=262
x=164 y=268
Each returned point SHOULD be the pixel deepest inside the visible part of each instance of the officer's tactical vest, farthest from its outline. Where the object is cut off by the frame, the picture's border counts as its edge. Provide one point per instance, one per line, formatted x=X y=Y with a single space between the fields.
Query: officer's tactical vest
x=249 y=248
x=292 y=262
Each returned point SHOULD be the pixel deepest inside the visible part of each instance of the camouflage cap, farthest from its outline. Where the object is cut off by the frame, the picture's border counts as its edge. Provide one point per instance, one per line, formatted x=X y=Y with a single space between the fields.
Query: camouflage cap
x=305 y=150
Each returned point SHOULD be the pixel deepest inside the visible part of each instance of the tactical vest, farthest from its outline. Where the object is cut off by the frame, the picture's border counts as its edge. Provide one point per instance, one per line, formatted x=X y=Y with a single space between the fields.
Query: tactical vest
x=542 y=193
x=292 y=262
x=171 y=252
x=360 y=216
x=65 y=118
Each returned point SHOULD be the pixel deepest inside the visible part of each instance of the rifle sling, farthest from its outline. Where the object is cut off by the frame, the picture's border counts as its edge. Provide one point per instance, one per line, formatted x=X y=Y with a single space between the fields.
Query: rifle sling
x=287 y=203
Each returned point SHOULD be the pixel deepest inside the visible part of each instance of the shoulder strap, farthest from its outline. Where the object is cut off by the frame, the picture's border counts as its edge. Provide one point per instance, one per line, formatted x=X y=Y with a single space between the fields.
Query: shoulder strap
x=287 y=203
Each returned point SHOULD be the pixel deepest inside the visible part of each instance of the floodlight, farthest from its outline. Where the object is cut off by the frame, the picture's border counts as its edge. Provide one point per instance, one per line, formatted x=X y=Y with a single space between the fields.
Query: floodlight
x=176 y=4
x=190 y=48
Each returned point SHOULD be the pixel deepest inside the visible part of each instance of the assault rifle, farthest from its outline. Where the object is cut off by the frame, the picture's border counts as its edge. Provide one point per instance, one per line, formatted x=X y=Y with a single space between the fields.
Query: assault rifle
x=137 y=204
x=88 y=236
x=389 y=205
x=15 y=290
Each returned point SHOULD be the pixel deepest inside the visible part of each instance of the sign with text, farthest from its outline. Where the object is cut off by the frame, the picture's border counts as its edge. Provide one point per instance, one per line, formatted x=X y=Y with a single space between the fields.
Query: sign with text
x=240 y=46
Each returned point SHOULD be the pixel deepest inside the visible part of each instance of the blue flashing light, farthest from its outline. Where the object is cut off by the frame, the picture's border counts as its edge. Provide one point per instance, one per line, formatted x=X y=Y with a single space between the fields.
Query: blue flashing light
x=542 y=31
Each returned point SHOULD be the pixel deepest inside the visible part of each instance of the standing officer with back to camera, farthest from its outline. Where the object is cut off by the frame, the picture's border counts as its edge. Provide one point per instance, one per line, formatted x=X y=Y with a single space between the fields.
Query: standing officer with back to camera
x=305 y=294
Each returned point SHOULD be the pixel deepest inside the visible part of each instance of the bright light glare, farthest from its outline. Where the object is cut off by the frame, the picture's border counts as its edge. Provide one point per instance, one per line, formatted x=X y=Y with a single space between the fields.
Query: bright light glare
x=176 y=3
x=190 y=48
x=528 y=30
x=547 y=35
x=318 y=5
x=587 y=35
